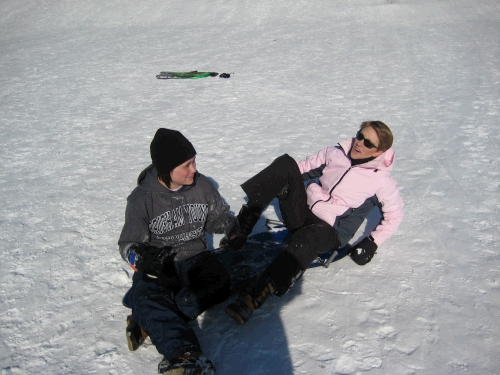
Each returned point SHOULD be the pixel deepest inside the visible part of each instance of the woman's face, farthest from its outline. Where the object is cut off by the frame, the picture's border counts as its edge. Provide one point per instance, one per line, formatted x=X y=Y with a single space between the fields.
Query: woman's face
x=183 y=174
x=359 y=149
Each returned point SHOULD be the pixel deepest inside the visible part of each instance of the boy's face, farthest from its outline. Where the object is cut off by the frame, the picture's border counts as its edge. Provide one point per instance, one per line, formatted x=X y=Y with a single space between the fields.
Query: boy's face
x=183 y=174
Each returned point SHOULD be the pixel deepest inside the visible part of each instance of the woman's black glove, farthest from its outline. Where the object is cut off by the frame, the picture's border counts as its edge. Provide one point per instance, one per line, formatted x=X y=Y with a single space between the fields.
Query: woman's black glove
x=152 y=260
x=364 y=251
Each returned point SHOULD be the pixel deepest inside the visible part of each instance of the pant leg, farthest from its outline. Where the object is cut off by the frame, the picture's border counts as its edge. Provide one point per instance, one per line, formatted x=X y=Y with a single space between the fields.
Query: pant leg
x=156 y=312
x=281 y=178
x=316 y=237
x=205 y=281
x=311 y=235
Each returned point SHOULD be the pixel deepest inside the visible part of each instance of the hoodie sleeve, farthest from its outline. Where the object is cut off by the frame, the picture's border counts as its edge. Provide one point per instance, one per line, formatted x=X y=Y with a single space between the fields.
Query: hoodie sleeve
x=136 y=228
x=392 y=211
x=219 y=218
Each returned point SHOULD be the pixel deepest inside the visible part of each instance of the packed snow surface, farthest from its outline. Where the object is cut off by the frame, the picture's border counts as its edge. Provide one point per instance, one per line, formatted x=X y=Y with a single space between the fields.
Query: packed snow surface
x=79 y=105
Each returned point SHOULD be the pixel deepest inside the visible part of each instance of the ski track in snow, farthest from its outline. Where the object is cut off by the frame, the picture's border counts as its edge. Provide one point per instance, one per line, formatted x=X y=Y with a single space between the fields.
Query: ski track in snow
x=79 y=104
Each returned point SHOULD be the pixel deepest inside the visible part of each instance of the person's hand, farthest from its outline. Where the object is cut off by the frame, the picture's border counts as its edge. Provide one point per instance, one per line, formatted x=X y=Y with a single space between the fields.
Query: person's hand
x=363 y=252
x=152 y=260
x=232 y=230
x=232 y=239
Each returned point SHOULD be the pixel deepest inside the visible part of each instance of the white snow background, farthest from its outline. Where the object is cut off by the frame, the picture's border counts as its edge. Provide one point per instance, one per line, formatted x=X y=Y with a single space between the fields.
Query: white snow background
x=79 y=105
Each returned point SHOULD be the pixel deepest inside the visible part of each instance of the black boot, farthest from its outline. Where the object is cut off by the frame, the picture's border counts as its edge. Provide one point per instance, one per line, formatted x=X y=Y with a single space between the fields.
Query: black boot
x=190 y=363
x=247 y=218
x=251 y=298
x=277 y=279
x=285 y=270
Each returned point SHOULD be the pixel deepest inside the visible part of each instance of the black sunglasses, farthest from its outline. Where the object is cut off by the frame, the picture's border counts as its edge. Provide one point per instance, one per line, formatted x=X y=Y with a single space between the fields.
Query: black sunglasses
x=367 y=142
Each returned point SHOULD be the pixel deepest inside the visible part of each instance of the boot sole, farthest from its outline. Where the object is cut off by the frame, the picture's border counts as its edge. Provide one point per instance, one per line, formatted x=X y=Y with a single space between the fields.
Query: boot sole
x=177 y=371
x=239 y=311
x=133 y=342
x=234 y=315
x=184 y=371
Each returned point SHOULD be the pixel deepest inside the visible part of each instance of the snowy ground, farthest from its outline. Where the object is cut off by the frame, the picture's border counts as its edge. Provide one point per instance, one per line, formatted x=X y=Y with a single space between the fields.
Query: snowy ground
x=79 y=104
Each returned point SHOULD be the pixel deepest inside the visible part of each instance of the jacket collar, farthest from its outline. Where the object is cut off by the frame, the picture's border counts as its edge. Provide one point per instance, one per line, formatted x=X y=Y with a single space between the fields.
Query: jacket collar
x=384 y=162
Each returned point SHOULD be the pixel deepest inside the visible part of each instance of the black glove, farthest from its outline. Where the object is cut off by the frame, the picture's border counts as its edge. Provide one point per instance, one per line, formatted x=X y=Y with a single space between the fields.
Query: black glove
x=153 y=260
x=232 y=238
x=232 y=230
x=364 y=251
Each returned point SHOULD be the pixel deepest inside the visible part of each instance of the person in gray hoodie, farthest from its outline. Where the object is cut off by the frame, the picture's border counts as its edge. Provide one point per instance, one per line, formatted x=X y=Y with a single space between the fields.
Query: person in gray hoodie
x=163 y=239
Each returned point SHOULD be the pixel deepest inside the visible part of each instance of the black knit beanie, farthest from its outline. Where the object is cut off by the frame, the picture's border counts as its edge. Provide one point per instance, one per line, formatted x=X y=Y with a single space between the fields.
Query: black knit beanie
x=170 y=149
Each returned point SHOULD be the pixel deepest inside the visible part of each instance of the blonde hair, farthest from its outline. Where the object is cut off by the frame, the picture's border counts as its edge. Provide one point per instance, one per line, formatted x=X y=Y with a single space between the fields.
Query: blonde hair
x=384 y=134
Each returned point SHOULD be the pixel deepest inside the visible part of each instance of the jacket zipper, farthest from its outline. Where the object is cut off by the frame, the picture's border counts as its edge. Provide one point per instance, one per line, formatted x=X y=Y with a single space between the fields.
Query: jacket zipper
x=334 y=186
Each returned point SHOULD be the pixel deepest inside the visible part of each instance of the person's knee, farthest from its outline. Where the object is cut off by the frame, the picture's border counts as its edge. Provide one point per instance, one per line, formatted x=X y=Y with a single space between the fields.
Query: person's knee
x=285 y=162
x=309 y=241
x=209 y=278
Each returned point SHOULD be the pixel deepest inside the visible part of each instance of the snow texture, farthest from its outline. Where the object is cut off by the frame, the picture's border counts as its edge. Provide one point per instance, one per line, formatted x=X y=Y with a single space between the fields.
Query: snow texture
x=79 y=104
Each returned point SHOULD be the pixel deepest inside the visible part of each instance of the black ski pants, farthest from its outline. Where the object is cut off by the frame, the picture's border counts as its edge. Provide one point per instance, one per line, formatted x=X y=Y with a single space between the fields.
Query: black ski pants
x=310 y=234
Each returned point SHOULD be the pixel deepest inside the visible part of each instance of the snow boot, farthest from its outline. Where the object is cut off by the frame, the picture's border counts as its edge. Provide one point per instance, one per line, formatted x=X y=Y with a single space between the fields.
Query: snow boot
x=135 y=334
x=277 y=279
x=251 y=298
x=190 y=363
x=247 y=218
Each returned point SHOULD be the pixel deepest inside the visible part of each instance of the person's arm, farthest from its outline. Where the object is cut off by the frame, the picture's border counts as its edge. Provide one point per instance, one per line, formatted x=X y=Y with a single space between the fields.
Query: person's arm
x=135 y=229
x=312 y=166
x=135 y=249
x=219 y=219
x=392 y=212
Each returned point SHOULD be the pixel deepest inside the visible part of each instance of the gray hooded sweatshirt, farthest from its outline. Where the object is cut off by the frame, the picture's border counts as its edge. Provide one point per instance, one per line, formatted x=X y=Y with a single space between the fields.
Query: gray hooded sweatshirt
x=161 y=217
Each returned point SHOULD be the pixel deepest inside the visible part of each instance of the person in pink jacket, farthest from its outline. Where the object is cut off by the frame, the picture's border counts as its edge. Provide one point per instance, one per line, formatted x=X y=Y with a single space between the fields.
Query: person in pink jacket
x=346 y=182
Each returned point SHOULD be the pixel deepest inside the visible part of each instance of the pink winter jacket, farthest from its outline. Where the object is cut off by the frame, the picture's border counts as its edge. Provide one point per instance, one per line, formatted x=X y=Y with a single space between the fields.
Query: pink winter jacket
x=343 y=186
